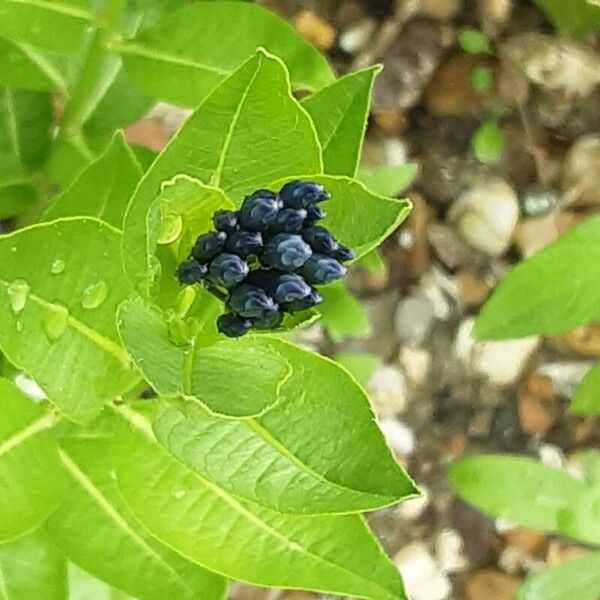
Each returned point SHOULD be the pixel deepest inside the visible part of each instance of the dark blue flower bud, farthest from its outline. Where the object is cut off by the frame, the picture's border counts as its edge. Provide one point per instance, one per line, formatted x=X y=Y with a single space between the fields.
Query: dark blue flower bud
x=207 y=246
x=250 y=301
x=268 y=321
x=343 y=254
x=302 y=194
x=320 y=269
x=314 y=213
x=286 y=252
x=319 y=239
x=227 y=270
x=259 y=210
x=288 y=220
x=232 y=325
x=309 y=301
x=243 y=243
x=191 y=271
x=283 y=287
x=226 y=220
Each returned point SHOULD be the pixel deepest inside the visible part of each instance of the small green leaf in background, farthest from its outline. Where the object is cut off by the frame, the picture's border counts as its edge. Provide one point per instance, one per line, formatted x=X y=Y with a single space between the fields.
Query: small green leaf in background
x=31 y=480
x=340 y=113
x=360 y=364
x=94 y=528
x=342 y=314
x=488 y=141
x=578 y=578
x=171 y=61
x=473 y=41
x=103 y=189
x=249 y=131
x=482 y=79
x=372 y=262
x=586 y=400
x=389 y=180
x=32 y=569
x=528 y=493
x=232 y=377
x=60 y=285
x=573 y=17
x=545 y=293
x=238 y=538
x=83 y=586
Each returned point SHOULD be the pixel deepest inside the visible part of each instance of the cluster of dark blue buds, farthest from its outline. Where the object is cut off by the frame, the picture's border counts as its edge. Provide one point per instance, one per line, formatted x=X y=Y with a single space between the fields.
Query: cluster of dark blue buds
x=264 y=259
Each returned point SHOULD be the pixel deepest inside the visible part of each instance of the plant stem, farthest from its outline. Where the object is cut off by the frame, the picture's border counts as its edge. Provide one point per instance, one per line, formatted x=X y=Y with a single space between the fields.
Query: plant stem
x=216 y=293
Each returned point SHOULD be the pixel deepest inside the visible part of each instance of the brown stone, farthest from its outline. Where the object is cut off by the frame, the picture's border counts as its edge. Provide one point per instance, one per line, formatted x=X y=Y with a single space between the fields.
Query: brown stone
x=537 y=406
x=456 y=444
x=389 y=121
x=488 y=584
x=472 y=288
x=559 y=552
x=315 y=29
x=529 y=540
x=298 y=595
x=585 y=340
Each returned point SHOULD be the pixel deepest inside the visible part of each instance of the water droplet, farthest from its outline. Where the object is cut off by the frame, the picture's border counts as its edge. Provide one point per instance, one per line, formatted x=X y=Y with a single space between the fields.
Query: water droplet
x=18 y=292
x=94 y=295
x=178 y=494
x=170 y=229
x=58 y=266
x=56 y=321
x=19 y=326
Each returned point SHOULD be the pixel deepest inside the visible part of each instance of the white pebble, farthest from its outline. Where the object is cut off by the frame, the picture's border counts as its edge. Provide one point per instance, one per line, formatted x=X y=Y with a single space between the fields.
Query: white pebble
x=355 y=38
x=416 y=363
x=552 y=456
x=412 y=509
x=400 y=437
x=29 y=387
x=450 y=551
x=387 y=389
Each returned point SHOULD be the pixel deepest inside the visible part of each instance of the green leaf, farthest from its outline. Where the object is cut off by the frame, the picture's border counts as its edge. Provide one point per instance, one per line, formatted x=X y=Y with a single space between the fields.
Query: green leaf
x=290 y=458
x=57 y=26
x=373 y=262
x=473 y=41
x=238 y=538
x=28 y=68
x=103 y=189
x=586 y=400
x=553 y=291
x=357 y=217
x=340 y=113
x=578 y=578
x=576 y=17
x=83 y=586
x=249 y=131
x=342 y=314
x=482 y=79
x=32 y=569
x=60 y=285
x=540 y=497
x=31 y=480
x=488 y=141
x=173 y=62
x=231 y=377
x=389 y=180
x=360 y=364
x=94 y=528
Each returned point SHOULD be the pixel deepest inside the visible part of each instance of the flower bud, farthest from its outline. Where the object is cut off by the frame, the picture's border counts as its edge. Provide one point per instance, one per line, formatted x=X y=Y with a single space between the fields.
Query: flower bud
x=226 y=220
x=268 y=321
x=288 y=220
x=301 y=194
x=191 y=271
x=232 y=325
x=313 y=213
x=286 y=252
x=319 y=239
x=342 y=254
x=320 y=269
x=227 y=270
x=250 y=301
x=243 y=243
x=312 y=299
x=259 y=210
x=207 y=246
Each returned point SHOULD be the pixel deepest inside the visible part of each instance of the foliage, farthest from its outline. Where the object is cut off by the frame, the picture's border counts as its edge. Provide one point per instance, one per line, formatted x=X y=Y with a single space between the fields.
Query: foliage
x=255 y=459
x=575 y=17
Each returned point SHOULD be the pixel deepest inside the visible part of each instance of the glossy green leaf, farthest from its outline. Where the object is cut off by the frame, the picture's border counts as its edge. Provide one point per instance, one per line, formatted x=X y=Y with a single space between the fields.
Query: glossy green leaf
x=575 y=17
x=339 y=112
x=238 y=538
x=488 y=141
x=232 y=377
x=360 y=364
x=530 y=494
x=172 y=62
x=31 y=568
x=83 y=586
x=31 y=480
x=472 y=41
x=389 y=180
x=586 y=400
x=342 y=314
x=249 y=131
x=553 y=291
x=60 y=285
x=578 y=578
x=58 y=26
x=288 y=459
x=103 y=189
x=357 y=217
x=94 y=528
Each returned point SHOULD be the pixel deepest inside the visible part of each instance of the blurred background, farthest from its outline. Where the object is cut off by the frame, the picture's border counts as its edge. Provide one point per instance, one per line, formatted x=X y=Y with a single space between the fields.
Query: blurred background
x=486 y=116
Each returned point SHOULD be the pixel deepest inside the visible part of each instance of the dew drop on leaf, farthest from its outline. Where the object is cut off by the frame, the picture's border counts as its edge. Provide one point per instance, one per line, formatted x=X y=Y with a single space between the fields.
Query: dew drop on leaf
x=56 y=321
x=58 y=266
x=170 y=229
x=178 y=494
x=19 y=326
x=18 y=292
x=94 y=295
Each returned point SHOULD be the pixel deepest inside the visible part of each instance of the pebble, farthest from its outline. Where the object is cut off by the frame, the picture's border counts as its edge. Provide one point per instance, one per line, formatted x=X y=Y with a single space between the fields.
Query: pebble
x=552 y=456
x=581 y=176
x=488 y=584
x=493 y=15
x=356 y=37
x=450 y=551
x=515 y=560
x=395 y=151
x=529 y=540
x=413 y=319
x=533 y=233
x=29 y=387
x=422 y=574
x=565 y=376
x=315 y=29
x=441 y=10
x=536 y=405
x=538 y=200
x=560 y=551
x=388 y=391
x=449 y=247
x=486 y=216
x=400 y=438
x=472 y=288
x=502 y=362
x=585 y=340
x=415 y=362
x=413 y=508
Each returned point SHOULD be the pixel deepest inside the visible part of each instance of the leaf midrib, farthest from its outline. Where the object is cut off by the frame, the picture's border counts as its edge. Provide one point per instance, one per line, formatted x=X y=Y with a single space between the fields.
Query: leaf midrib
x=11 y=123
x=31 y=429
x=57 y=7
